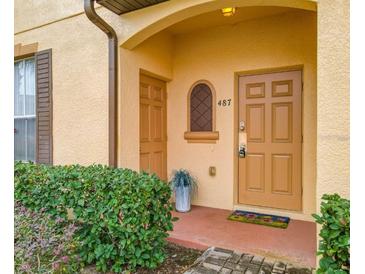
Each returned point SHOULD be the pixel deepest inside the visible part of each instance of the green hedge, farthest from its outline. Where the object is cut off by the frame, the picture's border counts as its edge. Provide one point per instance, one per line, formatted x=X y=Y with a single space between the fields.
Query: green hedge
x=334 y=247
x=123 y=216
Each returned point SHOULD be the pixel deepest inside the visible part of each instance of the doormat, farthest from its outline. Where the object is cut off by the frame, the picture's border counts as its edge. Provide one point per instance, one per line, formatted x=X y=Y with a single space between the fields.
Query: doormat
x=260 y=219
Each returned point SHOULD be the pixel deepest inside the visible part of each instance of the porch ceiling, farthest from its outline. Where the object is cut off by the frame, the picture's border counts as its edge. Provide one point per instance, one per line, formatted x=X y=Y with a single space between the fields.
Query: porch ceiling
x=215 y=18
x=123 y=6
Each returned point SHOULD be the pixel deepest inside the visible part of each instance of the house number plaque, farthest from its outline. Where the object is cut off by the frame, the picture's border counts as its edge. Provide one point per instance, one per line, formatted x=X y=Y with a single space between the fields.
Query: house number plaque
x=224 y=102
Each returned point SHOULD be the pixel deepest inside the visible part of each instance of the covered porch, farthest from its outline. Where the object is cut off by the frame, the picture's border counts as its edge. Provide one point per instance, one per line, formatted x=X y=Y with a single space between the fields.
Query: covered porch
x=198 y=44
x=204 y=227
x=278 y=43
x=216 y=51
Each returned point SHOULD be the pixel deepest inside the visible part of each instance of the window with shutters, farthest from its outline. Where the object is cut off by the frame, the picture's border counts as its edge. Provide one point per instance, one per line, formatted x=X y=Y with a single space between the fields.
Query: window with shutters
x=24 y=110
x=33 y=104
x=201 y=113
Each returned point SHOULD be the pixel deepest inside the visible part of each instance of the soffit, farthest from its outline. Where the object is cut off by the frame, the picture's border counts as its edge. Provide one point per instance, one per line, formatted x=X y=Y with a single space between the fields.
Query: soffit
x=123 y=6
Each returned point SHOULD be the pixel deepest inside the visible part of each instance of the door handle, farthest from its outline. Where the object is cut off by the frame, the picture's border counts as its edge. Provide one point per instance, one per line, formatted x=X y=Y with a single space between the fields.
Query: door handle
x=242 y=141
x=242 y=151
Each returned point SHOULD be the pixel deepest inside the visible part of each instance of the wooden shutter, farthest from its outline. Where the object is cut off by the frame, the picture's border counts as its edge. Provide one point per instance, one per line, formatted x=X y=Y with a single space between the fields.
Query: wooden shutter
x=43 y=63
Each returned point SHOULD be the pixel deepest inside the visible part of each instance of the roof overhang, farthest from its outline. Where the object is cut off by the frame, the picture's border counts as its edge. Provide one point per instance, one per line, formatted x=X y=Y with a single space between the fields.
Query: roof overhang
x=123 y=6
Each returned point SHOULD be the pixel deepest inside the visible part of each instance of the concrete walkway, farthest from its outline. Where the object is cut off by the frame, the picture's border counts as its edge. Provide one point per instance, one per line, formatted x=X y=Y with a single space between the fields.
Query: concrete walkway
x=217 y=260
x=204 y=227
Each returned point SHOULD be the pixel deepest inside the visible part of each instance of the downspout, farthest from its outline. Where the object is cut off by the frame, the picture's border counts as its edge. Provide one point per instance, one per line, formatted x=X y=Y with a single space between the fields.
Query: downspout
x=113 y=77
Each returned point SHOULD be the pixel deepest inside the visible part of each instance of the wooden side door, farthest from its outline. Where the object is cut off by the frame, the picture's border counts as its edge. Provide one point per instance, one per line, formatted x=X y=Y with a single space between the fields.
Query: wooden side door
x=153 y=137
x=270 y=107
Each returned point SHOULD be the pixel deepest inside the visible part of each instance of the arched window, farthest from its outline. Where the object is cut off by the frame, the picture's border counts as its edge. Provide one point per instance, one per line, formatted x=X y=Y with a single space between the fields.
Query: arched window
x=201 y=113
x=201 y=108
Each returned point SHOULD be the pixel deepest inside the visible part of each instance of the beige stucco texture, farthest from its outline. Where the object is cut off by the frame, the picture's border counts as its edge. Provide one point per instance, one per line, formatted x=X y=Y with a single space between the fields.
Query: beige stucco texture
x=153 y=41
x=215 y=54
x=333 y=161
x=79 y=78
x=155 y=55
x=143 y=23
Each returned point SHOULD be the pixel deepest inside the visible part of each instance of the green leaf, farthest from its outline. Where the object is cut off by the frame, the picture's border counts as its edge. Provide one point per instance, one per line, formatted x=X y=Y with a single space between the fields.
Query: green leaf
x=335 y=232
x=124 y=216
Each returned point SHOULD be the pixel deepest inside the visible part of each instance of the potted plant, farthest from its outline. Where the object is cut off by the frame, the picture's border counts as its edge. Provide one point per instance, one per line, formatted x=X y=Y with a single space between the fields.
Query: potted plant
x=184 y=187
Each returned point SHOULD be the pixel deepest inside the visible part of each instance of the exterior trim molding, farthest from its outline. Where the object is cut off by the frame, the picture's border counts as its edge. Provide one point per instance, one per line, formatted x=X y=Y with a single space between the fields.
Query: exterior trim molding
x=201 y=136
x=50 y=22
x=24 y=51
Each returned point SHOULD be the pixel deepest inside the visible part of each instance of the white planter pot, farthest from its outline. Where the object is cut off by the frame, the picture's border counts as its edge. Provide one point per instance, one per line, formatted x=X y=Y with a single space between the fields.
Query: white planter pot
x=182 y=199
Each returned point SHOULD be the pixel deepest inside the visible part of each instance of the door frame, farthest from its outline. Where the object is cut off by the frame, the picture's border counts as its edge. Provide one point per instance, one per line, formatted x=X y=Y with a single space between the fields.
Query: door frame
x=238 y=74
x=165 y=80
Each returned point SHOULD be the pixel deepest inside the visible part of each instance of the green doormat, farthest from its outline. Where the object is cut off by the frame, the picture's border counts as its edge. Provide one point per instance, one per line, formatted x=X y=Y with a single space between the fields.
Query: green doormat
x=260 y=219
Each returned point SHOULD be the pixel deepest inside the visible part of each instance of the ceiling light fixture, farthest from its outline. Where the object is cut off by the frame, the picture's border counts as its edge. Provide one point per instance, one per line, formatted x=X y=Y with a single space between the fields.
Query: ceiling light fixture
x=228 y=11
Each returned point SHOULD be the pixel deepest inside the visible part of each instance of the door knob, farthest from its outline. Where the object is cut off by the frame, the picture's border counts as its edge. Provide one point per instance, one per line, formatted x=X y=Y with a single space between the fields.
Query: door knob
x=242 y=151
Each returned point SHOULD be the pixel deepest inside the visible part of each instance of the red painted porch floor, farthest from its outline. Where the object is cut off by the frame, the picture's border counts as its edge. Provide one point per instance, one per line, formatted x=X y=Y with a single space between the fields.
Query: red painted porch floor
x=203 y=227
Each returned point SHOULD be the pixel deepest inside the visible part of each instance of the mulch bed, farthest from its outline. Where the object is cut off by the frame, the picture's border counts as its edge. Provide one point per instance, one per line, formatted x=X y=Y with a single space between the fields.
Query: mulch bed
x=178 y=261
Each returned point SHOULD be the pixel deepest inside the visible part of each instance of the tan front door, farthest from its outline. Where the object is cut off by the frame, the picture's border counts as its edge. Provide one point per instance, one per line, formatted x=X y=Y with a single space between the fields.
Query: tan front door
x=153 y=126
x=270 y=108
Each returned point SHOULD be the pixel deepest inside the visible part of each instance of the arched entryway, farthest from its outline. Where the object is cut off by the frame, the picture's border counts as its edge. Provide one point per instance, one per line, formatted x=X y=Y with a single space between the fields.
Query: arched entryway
x=167 y=14
x=211 y=47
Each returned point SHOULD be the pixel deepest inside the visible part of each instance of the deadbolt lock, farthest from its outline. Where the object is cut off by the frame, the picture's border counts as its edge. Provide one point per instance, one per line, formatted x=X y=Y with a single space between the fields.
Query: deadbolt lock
x=242 y=126
x=242 y=151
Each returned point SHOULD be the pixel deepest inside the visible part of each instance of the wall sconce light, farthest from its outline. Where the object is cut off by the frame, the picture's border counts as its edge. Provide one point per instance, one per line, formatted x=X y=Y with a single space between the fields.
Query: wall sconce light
x=228 y=11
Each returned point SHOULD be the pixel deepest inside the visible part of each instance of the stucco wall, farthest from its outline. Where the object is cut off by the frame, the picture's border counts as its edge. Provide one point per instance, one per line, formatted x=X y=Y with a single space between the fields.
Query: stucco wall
x=80 y=71
x=80 y=75
x=154 y=55
x=215 y=54
x=32 y=13
x=333 y=162
x=80 y=78
x=143 y=23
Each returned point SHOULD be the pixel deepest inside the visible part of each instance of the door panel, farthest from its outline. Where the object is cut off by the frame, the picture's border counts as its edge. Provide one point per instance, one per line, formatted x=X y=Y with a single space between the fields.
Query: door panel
x=144 y=122
x=255 y=174
x=282 y=173
x=256 y=122
x=270 y=107
x=282 y=121
x=144 y=161
x=153 y=138
x=157 y=122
